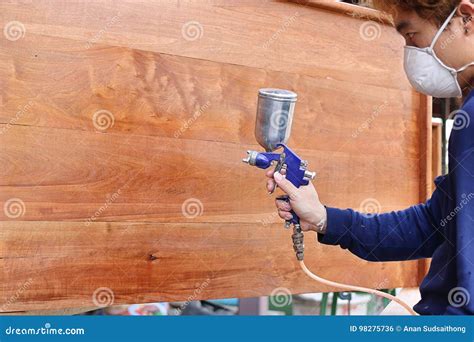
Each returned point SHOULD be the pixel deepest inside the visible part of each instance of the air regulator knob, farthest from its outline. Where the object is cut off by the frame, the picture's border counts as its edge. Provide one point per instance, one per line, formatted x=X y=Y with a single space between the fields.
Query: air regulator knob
x=308 y=175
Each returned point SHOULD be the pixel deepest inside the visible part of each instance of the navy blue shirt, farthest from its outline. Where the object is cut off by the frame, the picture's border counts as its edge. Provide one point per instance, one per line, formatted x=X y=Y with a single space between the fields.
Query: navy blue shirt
x=441 y=228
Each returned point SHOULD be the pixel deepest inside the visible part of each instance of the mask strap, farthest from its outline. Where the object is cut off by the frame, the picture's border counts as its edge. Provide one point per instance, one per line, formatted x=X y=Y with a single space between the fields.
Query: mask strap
x=465 y=67
x=442 y=28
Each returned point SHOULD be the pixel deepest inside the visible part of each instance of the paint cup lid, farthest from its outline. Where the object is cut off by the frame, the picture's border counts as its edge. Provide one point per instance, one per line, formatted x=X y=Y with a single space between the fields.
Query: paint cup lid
x=278 y=94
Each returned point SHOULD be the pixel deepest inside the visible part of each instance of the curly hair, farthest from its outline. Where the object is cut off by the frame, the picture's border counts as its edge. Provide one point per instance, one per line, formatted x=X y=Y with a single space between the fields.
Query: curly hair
x=433 y=10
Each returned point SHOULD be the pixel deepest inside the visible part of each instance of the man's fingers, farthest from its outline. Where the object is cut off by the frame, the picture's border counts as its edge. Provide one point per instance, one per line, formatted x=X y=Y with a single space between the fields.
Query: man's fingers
x=270 y=185
x=306 y=226
x=282 y=205
x=285 y=184
x=269 y=173
x=285 y=215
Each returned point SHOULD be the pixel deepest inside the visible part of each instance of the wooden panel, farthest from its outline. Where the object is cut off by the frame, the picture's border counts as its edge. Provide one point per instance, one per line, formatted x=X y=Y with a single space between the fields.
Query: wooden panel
x=436 y=170
x=136 y=177
x=160 y=95
x=64 y=263
x=155 y=203
x=426 y=149
x=437 y=142
x=263 y=34
x=361 y=12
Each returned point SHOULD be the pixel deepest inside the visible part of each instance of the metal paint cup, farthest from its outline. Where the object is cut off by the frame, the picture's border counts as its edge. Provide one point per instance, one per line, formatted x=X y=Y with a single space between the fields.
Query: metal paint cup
x=274 y=117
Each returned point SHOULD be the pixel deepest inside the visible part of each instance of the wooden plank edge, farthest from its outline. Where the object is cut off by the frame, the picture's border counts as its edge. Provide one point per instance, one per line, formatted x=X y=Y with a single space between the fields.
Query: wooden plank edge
x=426 y=182
x=348 y=9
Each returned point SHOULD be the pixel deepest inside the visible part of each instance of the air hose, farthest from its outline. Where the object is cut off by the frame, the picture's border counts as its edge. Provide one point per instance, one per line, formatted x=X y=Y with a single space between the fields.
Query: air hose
x=355 y=288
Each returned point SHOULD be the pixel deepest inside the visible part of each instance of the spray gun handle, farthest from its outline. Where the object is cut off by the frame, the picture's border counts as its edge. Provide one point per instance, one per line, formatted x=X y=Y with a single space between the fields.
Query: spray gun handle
x=295 y=219
x=295 y=170
x=297 y=237
x=296 y=173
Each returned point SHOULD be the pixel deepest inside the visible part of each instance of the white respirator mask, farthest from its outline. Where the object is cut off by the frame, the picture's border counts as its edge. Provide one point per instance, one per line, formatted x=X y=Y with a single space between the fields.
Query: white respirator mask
x=428 y=74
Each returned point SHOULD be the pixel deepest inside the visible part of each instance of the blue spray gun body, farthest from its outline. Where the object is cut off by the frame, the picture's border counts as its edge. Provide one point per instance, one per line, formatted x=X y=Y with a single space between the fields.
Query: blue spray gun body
x=294 y=168
x=272 y=130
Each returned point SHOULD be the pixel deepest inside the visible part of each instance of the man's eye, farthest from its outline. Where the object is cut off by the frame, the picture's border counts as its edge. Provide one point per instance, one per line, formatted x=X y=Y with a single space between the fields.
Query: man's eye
x=410 y=35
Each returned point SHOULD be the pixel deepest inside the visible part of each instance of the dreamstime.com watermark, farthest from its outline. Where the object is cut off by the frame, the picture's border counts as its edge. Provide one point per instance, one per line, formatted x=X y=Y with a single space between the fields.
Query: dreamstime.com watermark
x=103 y=297
x=192 y=30
x=280 y=297
x=17 y=295
x=370 y=207
x=22 y=111
x=280 y=119
x=458 y=297
x=195 y=294
x=101 y=32
x=461 y=119
x=269 y=219
x=103 y=120
x=453 y=34
x=286 y=24
x=192 y=208
x=46 y=330
x=14 y=208
x=465 y=200
x=370 y=30
x=366 y=124
x=189 y=122
x=14 y=30
x=109 y=200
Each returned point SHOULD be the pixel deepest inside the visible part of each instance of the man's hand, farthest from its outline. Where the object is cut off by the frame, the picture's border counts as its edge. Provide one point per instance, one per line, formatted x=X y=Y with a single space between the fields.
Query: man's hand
x=304 y=201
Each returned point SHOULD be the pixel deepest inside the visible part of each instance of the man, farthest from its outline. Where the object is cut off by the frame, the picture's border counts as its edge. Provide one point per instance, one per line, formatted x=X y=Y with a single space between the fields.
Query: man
x=439 y=61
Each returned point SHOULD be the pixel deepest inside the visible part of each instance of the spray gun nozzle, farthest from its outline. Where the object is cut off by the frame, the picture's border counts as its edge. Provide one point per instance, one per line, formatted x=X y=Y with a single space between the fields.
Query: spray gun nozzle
x=251 y=157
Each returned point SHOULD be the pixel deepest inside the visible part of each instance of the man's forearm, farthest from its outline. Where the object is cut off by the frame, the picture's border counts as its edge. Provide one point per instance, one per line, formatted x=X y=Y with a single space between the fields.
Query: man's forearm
x=402 y=235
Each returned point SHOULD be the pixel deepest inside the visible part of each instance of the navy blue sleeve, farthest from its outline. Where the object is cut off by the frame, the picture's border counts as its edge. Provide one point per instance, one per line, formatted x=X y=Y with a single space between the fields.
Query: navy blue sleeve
x=400 y=235
x=460 y=220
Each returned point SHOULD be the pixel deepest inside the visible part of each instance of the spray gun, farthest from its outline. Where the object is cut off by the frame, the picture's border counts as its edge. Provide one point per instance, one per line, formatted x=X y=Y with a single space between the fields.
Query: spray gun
x=272 y=129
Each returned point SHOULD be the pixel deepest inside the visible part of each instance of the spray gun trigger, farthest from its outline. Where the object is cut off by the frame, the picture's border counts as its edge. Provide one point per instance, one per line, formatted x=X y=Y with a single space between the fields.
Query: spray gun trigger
x=281 y=168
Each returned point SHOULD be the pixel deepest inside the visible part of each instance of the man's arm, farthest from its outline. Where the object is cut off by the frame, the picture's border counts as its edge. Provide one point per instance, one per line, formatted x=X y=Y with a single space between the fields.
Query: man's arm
x=408 y=234
x=402 y=235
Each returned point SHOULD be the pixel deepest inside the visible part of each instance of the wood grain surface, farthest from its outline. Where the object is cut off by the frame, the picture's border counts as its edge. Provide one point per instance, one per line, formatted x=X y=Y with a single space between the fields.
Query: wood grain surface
x=122 y=129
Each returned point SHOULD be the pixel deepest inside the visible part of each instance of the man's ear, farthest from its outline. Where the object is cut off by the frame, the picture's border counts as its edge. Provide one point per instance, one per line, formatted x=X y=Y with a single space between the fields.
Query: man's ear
x=466 y=11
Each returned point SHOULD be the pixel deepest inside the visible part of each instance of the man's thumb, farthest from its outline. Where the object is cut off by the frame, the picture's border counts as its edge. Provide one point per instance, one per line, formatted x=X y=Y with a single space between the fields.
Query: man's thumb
x=284 y=183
